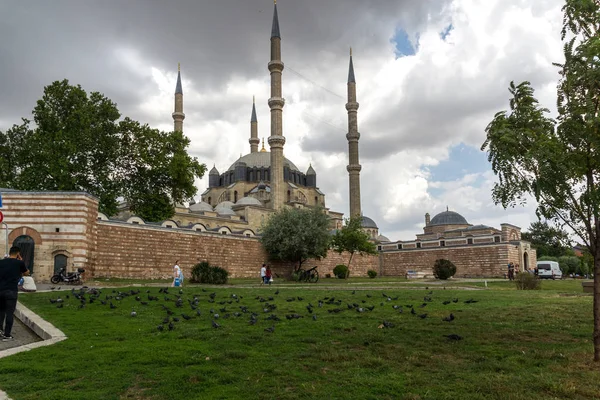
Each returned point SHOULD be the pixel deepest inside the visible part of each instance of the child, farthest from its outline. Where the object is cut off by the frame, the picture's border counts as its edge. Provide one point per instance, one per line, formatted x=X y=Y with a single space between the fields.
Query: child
x=268 y=275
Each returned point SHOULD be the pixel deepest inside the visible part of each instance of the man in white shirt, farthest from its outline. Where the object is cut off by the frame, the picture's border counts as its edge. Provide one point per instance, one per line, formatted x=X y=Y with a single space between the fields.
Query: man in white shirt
x=263 y=273
x=177 y=276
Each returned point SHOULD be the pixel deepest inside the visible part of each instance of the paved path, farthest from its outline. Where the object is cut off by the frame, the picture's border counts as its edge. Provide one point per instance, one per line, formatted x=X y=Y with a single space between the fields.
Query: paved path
x=22 y=335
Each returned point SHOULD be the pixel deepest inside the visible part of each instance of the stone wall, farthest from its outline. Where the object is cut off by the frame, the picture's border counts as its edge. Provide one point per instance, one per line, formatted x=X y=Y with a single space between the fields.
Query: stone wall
x=143 y=251
x=483 y=260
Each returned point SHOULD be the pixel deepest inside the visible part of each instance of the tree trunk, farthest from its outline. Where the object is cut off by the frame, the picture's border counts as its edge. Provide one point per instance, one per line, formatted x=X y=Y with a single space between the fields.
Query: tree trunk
x=597 y=304
x=349 y=261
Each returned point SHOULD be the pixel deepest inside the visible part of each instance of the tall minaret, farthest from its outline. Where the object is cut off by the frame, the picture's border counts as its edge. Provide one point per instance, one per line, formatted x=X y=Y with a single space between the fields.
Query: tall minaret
x=178 y=115
x=276 y=102
x=254 y=140
x=353 y=166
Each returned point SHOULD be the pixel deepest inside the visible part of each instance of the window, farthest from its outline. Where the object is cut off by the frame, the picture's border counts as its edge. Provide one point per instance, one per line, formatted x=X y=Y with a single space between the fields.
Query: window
x=497 y=239
x=247 y=235
x=169 y=226
x=442 y=243
x=210 y=201
x=418 y=245
x=57 y=230
x=469 y=241
x=289 y=196
x=198 y=230
x=223 y=232
x=399 y=246
x=235 y=196
x=316 y=200
x=135 y=222
x=379 y=248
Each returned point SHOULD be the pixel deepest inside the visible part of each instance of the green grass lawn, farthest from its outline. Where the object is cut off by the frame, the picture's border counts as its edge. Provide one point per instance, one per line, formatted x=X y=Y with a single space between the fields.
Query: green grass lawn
x=516 y=345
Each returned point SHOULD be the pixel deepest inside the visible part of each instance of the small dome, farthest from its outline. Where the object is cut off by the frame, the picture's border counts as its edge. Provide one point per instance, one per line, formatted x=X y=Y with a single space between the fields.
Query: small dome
x=448 y=218
x=368 y=223
x=224 y=208
x=199 y=207
x=382 y=239
x=248 y=201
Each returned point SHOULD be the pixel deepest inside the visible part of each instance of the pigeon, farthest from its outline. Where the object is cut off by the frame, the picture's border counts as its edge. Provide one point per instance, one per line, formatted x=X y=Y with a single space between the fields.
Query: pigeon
x=133 y=313
x=449 y=318
x=175 y=319
x=160 y=328
x=354 y=291
x=453 y=336
x=470 y=301
x=171 y=326
x=387 y=324
x=166 y=320
x=412 y=311
x=455 y=300
x=198 y=313
x=216 y=316
x=59 y=306
x=144 y=303
x=446 y=302
x=277 y=292
x=215 y=325
x=314 y=317
x=423 y=316
x=271 y=329
x=186 y=317
x=112 y=306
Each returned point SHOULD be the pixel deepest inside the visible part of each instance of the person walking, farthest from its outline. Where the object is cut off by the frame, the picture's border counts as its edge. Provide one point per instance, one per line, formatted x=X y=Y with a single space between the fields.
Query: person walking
x=268 y=275
x=177 y=275
x=263 y=274
x=11 y=271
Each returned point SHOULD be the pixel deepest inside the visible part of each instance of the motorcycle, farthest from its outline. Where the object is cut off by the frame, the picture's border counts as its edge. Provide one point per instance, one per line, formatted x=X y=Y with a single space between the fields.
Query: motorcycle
x=68 y=277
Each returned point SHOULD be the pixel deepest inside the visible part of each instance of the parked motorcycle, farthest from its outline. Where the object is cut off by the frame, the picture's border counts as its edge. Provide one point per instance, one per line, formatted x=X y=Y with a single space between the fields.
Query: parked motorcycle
x=68 y=277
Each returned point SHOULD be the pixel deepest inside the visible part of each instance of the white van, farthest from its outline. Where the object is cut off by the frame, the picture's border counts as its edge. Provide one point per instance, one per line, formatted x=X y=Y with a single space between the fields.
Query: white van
x=548 y=270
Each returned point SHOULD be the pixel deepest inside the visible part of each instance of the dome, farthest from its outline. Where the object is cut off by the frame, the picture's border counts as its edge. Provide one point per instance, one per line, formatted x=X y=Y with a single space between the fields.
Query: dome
x=224 y=209
x=368 y=223
x=448 y=218
x=248 y=201
x=260 y=159
x=382 y=239
x=199 y=207
x=226 y=204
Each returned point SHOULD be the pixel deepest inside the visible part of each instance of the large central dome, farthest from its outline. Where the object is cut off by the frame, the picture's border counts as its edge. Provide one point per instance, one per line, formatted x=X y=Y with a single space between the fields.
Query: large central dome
x=261 y=160
x=448 y=218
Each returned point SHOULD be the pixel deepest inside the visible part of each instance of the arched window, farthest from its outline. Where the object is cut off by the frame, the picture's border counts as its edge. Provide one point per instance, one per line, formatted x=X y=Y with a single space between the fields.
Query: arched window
x=289 y=196
x=209 y=201
x=235 y=196
x=60 y=261
x=316 y=201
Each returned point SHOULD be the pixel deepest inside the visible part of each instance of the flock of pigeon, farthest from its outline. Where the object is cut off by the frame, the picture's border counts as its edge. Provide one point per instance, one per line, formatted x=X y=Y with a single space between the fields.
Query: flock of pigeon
x=177 y=307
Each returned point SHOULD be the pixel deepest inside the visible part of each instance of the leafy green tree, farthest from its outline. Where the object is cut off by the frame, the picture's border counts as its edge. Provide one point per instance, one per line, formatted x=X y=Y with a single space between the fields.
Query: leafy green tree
x=558 y=161
x=155 y=170
x=296 y=235
x=79 y=144
x=352 y=239
x=548 y=240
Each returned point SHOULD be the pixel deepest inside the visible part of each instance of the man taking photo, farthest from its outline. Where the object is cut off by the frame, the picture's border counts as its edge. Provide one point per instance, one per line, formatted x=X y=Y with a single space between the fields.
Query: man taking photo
x=11 y=270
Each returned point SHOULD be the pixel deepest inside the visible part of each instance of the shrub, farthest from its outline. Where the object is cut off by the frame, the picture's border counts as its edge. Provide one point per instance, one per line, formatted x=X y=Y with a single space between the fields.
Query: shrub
x=211 y=274
x=341 y=271
x=527 y=281
x=443 y=269
x=372 y=273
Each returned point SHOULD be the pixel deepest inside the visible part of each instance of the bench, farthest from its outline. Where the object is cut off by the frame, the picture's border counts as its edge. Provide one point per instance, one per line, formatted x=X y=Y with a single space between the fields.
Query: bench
x=411 y=274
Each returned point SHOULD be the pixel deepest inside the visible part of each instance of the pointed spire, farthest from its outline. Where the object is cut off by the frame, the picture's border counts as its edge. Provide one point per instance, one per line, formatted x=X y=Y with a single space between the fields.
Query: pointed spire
x=351 y=78
x=310 y=170
x=275 y=27
x=263 y=150
x=178 y=89
x=253 y=118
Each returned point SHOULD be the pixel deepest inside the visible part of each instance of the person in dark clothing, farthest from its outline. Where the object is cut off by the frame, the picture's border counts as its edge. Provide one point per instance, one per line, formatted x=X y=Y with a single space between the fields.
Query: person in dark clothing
x=11 y=270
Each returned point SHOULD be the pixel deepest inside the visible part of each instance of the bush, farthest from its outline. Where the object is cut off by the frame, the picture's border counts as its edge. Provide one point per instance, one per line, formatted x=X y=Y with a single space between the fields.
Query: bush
x=569 y=264
x=211 y=274
x=443 y=269
x=527 y=281
x=372 y=274
x=341 y=271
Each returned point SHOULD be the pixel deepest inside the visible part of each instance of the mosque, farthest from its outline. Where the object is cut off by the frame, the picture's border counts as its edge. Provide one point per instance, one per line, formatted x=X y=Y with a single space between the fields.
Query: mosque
x=239 y=199
x=64 y=229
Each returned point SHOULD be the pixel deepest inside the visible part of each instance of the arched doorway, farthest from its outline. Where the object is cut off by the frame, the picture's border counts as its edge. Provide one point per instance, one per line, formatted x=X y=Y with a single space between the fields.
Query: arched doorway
x=27 y=246
x=525 y=261
x=60 y=261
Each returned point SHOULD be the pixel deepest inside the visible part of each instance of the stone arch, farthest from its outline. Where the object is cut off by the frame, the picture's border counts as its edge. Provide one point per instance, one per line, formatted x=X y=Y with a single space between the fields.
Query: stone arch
x=25 y=231
x=525 y=261
x=102 y=216
x=198 y=227
x=134 y=219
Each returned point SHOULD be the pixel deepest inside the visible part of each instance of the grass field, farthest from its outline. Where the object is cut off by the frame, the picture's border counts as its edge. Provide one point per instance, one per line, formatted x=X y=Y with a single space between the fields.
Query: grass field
x=515 y=345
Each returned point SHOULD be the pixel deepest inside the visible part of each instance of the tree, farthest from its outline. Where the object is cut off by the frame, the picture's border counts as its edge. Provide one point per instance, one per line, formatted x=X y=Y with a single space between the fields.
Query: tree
x=353 y=239
x=156 y=171
x=296 y=235
x=548 y=240
x=558 y=161
x=78 y=144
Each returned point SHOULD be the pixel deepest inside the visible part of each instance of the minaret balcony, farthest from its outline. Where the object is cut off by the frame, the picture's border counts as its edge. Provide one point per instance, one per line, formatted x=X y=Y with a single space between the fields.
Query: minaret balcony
x=276 y=141
x=354 y=168
x=275 y=66
x=178 y=115
x=352 y=106
x=276 y=103
x=353 y=137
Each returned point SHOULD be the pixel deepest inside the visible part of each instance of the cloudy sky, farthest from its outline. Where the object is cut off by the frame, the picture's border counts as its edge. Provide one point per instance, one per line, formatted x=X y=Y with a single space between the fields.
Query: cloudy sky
x=430 y=76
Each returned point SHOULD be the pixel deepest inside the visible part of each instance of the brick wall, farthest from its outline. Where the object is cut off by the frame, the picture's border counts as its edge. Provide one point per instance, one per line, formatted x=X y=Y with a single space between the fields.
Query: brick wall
x=141 y=251
x=490 y=260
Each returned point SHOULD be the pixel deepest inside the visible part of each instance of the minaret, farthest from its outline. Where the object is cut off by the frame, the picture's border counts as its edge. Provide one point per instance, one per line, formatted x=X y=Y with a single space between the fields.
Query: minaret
x=178 y=115
x=276 y=102
x=254 y=140
x=353 y=166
